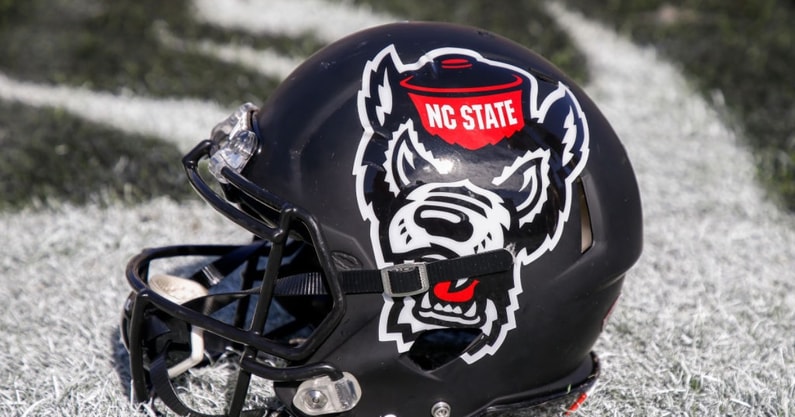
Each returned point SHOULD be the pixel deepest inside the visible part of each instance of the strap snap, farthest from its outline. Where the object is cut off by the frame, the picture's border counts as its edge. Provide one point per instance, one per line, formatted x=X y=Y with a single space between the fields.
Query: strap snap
x=405 y=280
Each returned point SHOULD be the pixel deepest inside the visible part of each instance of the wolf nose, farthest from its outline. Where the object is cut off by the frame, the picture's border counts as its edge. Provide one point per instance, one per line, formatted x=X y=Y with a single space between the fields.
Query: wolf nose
x=445 y=221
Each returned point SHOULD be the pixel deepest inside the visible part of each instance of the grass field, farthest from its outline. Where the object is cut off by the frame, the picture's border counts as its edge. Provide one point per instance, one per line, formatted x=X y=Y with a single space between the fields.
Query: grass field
x=99 y=100
x=738 y=55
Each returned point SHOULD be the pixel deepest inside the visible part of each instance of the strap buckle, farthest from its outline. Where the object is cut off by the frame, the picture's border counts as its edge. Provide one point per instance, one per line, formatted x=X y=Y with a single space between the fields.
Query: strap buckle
x=405 y=280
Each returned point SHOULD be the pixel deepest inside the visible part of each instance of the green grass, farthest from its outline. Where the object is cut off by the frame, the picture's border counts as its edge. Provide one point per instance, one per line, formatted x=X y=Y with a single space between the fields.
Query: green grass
x=51 y=157
x=523 y=21
x=740 y=54
x=693 y=332
x=114 y=46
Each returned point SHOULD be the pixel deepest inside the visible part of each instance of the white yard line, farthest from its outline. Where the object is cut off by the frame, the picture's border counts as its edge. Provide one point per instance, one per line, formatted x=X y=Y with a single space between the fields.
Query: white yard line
x=328 y=21
x=710 y=303
x=718 y=256
x=181 y=121
x=265 y=61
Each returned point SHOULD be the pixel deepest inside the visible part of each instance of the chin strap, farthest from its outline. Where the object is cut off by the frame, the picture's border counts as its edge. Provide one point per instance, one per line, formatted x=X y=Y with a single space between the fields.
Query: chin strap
x=401 y=280
x=395 y=281
x=212 y=274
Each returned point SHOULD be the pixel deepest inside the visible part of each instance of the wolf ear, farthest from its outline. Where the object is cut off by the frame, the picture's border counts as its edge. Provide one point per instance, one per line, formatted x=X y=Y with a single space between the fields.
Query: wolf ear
x=376 y=95
x=563 y=118
x=376 y=103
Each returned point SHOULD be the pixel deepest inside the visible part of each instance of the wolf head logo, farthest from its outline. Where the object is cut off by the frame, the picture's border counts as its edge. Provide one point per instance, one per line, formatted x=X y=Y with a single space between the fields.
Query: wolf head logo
x=462 y=154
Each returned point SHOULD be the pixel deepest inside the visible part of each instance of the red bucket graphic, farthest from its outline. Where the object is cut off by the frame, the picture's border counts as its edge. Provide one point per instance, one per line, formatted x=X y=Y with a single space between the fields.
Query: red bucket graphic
x=469 y=116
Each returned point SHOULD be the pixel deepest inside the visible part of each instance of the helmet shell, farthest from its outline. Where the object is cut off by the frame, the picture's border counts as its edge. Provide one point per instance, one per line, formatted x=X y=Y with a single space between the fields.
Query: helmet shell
x=470 y=142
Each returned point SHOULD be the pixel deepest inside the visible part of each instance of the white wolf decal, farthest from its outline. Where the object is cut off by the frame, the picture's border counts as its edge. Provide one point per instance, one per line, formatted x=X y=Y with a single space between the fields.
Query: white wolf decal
x=462 y=154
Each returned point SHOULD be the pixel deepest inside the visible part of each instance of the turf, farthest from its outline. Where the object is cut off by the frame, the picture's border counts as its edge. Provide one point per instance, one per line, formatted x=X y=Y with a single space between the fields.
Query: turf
x=525 y=22
x=739 y=55
x=704 y=326
x=115 y=47
x=45 y=170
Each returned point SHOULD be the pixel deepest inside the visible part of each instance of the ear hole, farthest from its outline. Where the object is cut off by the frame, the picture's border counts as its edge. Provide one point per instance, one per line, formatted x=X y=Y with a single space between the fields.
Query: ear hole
x=435 y=348
x=586 y=232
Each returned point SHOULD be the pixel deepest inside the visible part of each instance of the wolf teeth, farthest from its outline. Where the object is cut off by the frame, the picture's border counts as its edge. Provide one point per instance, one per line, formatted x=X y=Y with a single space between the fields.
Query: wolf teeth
x=472 y=310
x=425 y=304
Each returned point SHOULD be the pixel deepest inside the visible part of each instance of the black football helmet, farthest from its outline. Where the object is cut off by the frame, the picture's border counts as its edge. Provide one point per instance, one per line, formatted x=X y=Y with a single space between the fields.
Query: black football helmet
x=441 y=219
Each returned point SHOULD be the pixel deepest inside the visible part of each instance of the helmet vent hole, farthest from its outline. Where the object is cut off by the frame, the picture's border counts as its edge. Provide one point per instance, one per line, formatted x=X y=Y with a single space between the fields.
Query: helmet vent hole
x=435 y=348
x=586 y=232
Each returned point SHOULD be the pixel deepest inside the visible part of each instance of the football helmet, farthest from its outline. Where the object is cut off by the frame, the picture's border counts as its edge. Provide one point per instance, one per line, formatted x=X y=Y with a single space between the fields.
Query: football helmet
x=441 y=219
